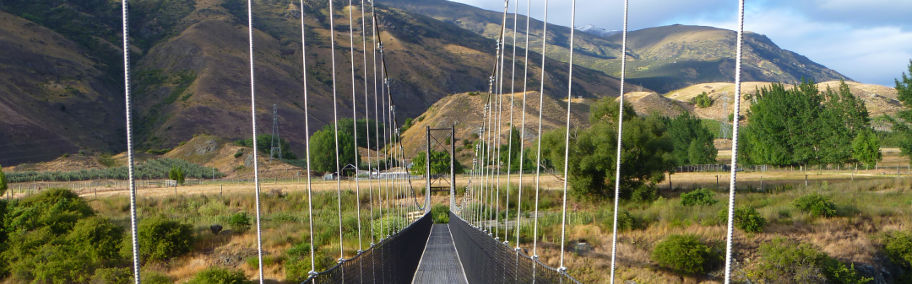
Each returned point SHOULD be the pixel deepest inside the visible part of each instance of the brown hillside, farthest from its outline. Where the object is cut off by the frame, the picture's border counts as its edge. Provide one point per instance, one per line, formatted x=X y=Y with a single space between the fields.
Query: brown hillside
x=190 y=72
x=53 y=98
x=466 y=110
x=878 y=99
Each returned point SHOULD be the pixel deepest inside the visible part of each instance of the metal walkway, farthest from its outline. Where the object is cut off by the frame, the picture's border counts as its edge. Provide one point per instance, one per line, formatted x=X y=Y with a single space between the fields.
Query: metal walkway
x=440 y=261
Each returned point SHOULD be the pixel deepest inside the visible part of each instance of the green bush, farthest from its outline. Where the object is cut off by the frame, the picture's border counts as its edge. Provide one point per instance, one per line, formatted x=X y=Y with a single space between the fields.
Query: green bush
x=702 y=100
x=98 y=239
x=113 y=275
x=219 y=276
x=46 y=238
x=57 y=209
x=3 y=183
x=161 y=239
x=441 y=214
x=644 y=193
x=816 y=205
x=625 y=222
x=786 y=261
x=749 y=220
x=177 y=174
x=685 y=254
x=898 y=245
x=239 y=222
x=698 y=197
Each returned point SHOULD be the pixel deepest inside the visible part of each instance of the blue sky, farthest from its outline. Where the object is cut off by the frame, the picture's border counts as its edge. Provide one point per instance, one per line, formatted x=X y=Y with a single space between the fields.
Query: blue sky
x=869 y=41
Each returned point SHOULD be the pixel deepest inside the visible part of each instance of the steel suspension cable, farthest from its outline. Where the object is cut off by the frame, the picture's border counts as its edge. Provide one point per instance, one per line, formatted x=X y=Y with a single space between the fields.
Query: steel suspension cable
x=567 y=136
x=128 y=111
x=256 y=169
x=541 y=109
x=489 y=197
x=313 y=266
x=734 y=158
x=499 y=119
x=522 y=132
x=510 y=131
x=620 y=124
x=332 y=40
x=376 y=113
x=367 y=125
x=351 y=50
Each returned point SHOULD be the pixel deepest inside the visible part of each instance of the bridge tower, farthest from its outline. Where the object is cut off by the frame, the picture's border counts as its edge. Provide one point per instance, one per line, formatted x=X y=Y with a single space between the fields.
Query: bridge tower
x=437 y=182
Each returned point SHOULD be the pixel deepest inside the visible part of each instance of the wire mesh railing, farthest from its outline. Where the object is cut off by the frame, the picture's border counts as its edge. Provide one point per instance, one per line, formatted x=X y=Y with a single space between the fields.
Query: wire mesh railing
x=487 y=260
x=392 y=260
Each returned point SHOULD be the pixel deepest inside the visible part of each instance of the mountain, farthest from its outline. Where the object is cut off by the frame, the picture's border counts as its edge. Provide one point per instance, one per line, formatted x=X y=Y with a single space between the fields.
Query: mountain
x=660 y=59
x=465 y=110
x=62 y=81
x=597 y=31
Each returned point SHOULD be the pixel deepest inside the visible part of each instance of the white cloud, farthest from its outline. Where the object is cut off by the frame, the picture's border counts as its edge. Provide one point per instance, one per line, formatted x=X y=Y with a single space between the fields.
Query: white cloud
x=868 y=40
x=866 y=54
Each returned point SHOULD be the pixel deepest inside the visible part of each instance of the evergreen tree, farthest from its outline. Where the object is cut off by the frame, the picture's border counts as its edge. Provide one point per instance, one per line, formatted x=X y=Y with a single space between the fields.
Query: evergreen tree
x=692 y=142
x=646 y=153
x=842 y=118
x=902 y=123
x=866 y=148
x=783 y=125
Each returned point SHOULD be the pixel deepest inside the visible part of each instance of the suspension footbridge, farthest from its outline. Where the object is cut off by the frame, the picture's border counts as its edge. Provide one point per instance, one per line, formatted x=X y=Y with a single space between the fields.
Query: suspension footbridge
x=481 y=243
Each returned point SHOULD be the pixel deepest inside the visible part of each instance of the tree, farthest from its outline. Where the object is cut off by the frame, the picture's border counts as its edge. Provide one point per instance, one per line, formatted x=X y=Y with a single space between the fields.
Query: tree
x=440 y=163
x=346 y=125
x=323 y=150
x=646 y=155
x=3 y=185
x=866 y=148
x=843 y=116
x=902 y=123
x=803 y=126
x=509 y=154
x=692 y=142
x=783 y=125
x=176 y=174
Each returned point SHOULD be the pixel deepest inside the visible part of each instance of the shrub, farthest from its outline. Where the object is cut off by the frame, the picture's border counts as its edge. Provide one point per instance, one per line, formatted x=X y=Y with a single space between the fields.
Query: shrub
x=784 y=261
x=749 y=220
x=297 y=262
x=3 y=183
x=702 y=100
x=699 y=197
x=239 y=222
x=898 y=246
x=58 y=209
x=441 y=214
x=219 y=276
x=685 y=254
x=644 y=193
x=161 y=239
x=816 y=205
x=239 y=153
x=625 y=221
x=98 y=239
x=114 y=275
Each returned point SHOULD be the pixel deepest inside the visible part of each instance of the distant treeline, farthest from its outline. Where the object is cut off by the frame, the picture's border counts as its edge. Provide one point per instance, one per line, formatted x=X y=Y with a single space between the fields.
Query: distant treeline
x=157 y=169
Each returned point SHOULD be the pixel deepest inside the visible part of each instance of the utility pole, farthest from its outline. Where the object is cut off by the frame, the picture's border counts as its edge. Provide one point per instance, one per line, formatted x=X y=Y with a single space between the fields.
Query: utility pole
x=275 y=145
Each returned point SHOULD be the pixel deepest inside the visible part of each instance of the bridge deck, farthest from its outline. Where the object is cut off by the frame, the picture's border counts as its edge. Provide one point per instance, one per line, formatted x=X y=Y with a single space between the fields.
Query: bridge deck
x=440 y=261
